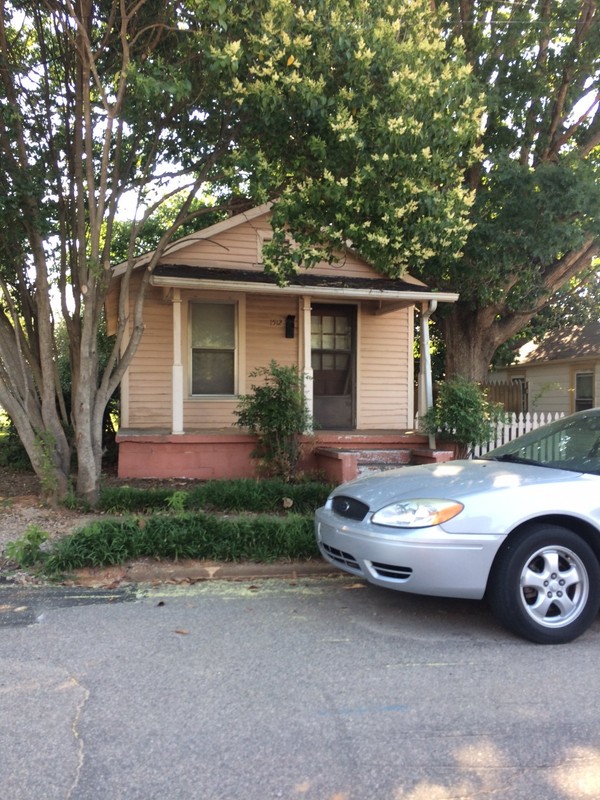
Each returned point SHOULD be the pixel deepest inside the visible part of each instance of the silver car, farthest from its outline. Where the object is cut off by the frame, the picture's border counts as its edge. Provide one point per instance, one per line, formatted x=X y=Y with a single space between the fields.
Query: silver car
x=520 y=526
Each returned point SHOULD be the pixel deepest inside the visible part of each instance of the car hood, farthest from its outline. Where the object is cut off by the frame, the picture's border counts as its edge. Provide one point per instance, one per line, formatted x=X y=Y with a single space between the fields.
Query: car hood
x=455 y=480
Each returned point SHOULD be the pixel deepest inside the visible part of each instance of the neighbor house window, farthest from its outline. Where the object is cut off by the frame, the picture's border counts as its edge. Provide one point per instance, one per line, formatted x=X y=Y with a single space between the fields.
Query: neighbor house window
x=584 y=391
x=213 y=338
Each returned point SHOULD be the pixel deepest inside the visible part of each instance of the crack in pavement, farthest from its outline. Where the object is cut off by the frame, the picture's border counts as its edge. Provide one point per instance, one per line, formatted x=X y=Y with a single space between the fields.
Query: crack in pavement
x=80 y=744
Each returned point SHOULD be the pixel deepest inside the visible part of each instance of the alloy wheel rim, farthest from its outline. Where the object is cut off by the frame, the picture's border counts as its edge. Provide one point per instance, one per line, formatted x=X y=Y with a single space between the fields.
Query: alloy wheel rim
x=554 y=586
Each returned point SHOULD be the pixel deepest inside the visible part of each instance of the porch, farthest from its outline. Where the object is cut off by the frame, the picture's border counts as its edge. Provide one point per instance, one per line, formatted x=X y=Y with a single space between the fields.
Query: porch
x=339 y=456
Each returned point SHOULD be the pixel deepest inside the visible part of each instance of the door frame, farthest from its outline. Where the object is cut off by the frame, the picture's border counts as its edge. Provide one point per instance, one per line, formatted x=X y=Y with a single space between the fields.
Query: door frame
x=351 y=312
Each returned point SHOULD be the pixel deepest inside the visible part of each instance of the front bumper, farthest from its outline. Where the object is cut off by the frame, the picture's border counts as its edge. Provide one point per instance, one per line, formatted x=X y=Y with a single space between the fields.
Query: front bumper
x=422 y=561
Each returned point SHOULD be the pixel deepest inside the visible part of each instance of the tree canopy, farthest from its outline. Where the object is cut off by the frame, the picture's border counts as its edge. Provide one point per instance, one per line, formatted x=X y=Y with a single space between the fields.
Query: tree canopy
x=534 y=221
x=358 y=106
x=536 y=216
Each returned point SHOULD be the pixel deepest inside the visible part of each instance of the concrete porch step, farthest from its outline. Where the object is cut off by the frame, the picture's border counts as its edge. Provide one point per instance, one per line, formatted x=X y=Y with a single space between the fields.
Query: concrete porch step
x=377 y=460
x=346 y=463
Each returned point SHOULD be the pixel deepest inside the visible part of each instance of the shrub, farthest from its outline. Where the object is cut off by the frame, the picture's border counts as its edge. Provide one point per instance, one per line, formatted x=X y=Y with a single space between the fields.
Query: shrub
x=27 y=551
x=462 y=414
x=12 y=452
x=275 y=412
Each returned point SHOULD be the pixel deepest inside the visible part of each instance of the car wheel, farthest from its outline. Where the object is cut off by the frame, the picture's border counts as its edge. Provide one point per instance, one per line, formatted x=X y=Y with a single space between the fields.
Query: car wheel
x=545 y=585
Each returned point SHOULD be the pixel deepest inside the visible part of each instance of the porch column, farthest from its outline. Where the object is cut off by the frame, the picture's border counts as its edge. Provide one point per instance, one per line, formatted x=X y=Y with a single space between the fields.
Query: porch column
x=177 y=369
x=306 y=356
x=425 y=378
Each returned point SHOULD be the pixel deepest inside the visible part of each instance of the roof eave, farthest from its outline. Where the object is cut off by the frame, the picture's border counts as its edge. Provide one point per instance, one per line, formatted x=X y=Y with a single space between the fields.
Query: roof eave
x=321 y=291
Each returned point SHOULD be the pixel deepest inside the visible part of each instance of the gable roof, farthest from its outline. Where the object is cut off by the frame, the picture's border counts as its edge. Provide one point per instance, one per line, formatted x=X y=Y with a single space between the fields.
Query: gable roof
x=187 y=263
x=204 y=233
x=563 y=344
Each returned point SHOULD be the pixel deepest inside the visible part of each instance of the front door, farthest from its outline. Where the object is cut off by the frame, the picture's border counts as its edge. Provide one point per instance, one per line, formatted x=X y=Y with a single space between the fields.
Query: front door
x=333 y=361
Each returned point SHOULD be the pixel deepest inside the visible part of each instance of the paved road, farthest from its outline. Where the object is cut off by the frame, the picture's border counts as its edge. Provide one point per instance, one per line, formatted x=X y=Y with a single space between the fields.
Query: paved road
x=310 y=690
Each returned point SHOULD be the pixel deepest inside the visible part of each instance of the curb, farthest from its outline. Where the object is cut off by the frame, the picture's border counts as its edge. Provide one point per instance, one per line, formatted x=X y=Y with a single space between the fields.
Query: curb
x=198 y=571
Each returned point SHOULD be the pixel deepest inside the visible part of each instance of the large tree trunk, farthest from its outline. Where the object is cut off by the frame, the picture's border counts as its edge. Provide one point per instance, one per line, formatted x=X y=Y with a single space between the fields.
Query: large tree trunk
x=472 y=335
x=49 y=454
x=471 y=340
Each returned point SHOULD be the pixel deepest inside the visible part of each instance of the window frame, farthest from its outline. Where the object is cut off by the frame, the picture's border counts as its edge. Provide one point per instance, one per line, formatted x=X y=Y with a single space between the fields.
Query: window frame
x=206 y=301
x=577 y=399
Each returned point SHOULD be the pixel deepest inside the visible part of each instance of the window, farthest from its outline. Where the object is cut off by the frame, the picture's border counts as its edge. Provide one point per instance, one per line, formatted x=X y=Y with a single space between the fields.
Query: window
x=584 y=391
x=213 y=357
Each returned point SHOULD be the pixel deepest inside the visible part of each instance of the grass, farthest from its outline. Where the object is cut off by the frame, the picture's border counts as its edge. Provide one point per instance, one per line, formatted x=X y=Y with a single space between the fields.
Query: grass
x=188 y=535
x=244 y=495
x=243 y=520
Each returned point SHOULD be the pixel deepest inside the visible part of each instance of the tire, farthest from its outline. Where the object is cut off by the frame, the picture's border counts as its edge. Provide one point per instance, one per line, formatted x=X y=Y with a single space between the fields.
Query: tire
x=545 y=585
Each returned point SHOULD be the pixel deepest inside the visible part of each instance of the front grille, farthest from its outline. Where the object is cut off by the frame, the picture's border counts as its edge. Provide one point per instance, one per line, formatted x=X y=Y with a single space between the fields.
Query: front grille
x=391 y=571
x=349 y=507
x=342 y=558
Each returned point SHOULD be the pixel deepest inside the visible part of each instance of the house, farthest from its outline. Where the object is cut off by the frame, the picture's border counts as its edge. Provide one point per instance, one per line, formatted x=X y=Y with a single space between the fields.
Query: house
x=212 y=316
x=561 y=373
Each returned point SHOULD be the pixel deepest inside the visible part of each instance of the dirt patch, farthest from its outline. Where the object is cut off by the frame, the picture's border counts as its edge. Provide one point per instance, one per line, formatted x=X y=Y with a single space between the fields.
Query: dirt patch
x=21 y=506
x=16 y=484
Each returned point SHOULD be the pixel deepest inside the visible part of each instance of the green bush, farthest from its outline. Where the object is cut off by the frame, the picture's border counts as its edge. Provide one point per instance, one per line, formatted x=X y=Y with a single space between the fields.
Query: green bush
x=276 y=413
x=27 y=551
x=12 y=452
x=187 y=535
x=179 y=526
x=463 y=414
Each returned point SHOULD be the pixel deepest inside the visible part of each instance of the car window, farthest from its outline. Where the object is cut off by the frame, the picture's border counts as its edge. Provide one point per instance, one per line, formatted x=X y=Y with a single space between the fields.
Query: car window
x=572 y=443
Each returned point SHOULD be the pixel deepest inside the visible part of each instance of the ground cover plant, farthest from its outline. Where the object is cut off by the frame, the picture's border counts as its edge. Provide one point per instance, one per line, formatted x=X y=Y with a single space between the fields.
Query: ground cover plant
x=245 y=494
x=196 y=535
x=240 y=520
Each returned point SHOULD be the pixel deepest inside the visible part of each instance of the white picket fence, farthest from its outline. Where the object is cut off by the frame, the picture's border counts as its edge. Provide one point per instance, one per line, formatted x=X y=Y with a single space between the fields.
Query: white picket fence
x=517 y=425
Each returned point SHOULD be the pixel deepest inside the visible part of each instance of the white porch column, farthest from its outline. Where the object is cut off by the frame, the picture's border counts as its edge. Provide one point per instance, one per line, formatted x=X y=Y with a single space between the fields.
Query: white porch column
x=306 y=356
x=425 y=377
x=177 y=369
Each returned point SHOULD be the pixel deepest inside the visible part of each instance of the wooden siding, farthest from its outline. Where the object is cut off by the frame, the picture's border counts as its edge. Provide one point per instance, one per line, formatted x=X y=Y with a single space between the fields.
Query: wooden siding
x=150 y=376
x=262 y=339
x=265 y=331
x=239 y=248
x=384 y=369
x=383 y=380
x=384 y=342
x=551 y=386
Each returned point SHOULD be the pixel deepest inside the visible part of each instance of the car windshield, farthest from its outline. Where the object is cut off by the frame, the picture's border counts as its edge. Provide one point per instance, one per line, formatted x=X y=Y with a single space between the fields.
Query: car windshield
x=571 y=443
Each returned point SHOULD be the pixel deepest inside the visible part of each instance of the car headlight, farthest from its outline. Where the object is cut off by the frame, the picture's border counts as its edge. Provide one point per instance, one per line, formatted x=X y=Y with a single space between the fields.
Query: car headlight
x=421 y=513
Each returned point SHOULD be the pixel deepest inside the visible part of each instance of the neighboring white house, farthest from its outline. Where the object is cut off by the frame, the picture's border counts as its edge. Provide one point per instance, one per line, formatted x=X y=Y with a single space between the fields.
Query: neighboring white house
x=561 y=373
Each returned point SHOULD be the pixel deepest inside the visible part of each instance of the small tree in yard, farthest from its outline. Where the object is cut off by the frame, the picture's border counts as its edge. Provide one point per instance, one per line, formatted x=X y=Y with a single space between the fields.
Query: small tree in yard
x=276 y=413
x=463 y=415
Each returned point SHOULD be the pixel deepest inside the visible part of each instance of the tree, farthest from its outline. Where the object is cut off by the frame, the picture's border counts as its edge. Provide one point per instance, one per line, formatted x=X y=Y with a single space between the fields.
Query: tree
x=534 y=223
x=576 y=303
x=105 y=99
x=536 y=216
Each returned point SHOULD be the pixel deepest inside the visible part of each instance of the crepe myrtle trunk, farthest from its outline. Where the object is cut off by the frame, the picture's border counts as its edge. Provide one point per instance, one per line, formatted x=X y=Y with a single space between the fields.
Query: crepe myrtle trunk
x=88 y=405
x=45 y=443
x=89 y=461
